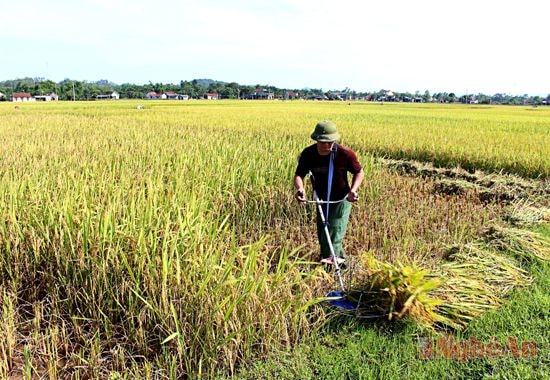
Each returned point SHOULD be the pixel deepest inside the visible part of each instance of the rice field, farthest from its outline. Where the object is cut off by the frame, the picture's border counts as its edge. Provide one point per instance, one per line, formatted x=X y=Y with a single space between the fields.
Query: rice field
x=164 y=242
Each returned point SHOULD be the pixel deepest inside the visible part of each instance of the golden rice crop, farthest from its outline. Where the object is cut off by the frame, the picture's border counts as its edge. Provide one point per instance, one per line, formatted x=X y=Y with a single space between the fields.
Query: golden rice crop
x=166 y=241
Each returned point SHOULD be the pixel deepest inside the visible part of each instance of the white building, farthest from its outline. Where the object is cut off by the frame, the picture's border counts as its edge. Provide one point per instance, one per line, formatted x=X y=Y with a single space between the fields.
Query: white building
x=47 y=98
x=112 y=95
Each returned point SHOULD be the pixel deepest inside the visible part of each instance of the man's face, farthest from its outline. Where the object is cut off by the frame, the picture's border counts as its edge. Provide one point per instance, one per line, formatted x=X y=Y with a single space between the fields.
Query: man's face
x=324 y=148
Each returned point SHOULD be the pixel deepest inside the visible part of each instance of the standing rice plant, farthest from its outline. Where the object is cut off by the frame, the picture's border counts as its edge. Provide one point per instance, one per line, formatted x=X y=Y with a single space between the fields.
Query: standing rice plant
x=126 y=247
x=8 y=333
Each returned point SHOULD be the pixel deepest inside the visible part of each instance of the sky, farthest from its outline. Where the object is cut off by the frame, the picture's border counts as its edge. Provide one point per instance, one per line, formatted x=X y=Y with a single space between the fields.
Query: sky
x=466 y=46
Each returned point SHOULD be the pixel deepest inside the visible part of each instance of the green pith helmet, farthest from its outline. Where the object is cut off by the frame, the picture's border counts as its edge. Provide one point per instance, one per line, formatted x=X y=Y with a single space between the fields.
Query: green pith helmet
x=325 y=131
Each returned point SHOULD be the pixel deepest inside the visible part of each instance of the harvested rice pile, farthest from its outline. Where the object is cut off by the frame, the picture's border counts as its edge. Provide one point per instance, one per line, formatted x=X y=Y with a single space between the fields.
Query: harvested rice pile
x=470 y=280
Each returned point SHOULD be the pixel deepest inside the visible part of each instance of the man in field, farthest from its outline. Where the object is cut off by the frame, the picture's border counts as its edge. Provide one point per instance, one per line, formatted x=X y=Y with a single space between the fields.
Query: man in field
x=316 y=159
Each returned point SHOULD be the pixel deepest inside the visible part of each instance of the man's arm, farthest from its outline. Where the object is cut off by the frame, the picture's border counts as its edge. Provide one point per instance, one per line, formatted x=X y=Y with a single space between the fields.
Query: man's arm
x=355 y=183
x=300 y=194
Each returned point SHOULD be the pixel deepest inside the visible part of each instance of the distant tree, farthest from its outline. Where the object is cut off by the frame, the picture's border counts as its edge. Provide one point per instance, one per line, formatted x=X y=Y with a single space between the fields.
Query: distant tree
x=535 y=100
x=44 y=87
x=246 y=90
x=514 y=100
x=22 y=87
x=159 y=88
x=90 y=91
x=131 y=91
x=71 y=89
x=427 y=97
x=498 y=98
x=226 y=90
x=234 y=88
x=215 y=88
x=483 y=99
x=187 y=88
x=65 y=90
x=25 y=84
x=198 y=88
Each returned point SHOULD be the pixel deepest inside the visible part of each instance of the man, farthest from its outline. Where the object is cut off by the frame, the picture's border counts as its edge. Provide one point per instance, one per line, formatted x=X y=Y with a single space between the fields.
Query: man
x=316 y=159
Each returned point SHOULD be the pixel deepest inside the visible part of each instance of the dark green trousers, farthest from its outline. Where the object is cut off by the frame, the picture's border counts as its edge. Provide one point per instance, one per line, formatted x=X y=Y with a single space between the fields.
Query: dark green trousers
x=337 y=224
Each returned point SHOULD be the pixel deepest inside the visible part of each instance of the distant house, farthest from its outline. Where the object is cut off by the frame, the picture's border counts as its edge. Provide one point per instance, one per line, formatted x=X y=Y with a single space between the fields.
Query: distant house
x=291 y=95
x=170 y=95
x=112 y=95
x=166 y=95
x=261 y=93
x=2 y=96
x=211 y=96
x=388 y=96
x=22 y=97
x=47 y=98
x=152 y=95
x=345 y=94
x=336 y=95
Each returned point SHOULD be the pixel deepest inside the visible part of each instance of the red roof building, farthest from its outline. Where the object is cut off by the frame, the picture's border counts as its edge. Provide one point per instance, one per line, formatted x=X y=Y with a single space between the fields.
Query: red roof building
x=21 y=97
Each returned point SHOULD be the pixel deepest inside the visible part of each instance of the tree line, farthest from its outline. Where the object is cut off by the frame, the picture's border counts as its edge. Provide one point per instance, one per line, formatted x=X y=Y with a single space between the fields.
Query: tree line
x=69 y=89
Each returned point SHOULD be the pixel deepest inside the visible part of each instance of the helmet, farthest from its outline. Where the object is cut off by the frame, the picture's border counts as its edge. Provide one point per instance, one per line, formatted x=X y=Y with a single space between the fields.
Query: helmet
x=325 y=131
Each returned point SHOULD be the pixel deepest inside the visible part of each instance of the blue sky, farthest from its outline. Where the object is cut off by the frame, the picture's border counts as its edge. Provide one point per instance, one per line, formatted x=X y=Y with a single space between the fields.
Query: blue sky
x=466 y=46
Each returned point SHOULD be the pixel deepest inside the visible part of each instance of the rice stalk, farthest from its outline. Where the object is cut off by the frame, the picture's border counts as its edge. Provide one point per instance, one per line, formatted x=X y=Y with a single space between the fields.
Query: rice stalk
x=522 y=243
x=476 y=279
x=526 y=214
x=395 y=290
x=472 y=279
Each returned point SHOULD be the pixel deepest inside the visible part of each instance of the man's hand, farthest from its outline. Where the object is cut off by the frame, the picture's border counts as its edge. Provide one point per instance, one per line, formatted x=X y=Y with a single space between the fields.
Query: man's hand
x=300 y=195
x=353 y=196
